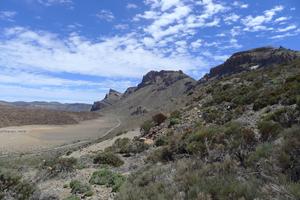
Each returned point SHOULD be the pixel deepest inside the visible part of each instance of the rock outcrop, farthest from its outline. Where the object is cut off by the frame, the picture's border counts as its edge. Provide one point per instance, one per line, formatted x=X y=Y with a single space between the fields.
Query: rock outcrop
x=253 y=59
x=111 y=98
x=162 y=78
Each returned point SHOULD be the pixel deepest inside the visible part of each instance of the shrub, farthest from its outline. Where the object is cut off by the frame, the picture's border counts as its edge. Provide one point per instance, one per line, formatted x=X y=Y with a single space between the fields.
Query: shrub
x=261 y=151
x=72 y=198
x=60 y=165
x=175 y=114
x=108 y=158
x=127 y=146
x=289 y=158
x=285 y=116
x=107 y=178
x=146 y=126
x=161 y=141
x=13 y=186
x=298 y=102
x=77 y=187
x=294 y=189
x=174 y=121
x=147 y=183
x=268 y=130
x=195 y=142
x=159 y=118
x=163 y=154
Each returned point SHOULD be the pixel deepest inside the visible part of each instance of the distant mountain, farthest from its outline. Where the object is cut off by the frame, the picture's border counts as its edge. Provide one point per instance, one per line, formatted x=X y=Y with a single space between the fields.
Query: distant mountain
x=253 y=59
x=157 y=92
x=72 y=107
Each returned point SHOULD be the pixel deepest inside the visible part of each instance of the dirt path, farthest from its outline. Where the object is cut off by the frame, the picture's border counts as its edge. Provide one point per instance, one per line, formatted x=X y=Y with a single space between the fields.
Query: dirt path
x=32 y=138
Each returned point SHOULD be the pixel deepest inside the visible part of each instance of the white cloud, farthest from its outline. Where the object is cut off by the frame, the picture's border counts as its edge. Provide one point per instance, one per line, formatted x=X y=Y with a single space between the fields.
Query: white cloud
x=229 y=19
x=53 y=2
x=240 y=4
x=7 y=15
x=121 y=26
x=284 y=35
x=288 y=28
x=281 y=19
x=131 y=6
x=110 y=57
x=105 y=15
x=257 y=23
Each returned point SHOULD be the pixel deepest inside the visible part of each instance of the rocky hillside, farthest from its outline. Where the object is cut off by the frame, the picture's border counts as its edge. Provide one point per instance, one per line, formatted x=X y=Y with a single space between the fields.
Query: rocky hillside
x=110 y=99
x=253 y=59
x=158 y=91
x=232 y=136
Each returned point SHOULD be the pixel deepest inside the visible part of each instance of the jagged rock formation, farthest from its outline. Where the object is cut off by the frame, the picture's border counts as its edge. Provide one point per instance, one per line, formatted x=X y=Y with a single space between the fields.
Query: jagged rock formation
x=112 y=97
x=129 y=91
x=157 y=91
x=253 y=59
x=162 y=78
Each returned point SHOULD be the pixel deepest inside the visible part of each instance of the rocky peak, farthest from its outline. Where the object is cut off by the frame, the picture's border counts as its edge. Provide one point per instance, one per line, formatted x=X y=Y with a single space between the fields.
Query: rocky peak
x=253 y=59
x=113 y=94
x=161 y=78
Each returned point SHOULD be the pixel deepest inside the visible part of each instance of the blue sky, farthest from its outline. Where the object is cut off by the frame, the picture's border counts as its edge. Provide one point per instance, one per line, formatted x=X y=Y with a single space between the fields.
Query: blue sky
x=75 y=50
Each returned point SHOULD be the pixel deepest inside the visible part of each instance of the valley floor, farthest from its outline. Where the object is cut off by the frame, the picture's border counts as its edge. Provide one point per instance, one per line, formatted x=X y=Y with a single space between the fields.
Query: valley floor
x=27 y=139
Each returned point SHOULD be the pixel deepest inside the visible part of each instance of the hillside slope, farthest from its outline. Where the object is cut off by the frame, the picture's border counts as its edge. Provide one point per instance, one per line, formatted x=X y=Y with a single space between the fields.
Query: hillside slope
x=158 y=92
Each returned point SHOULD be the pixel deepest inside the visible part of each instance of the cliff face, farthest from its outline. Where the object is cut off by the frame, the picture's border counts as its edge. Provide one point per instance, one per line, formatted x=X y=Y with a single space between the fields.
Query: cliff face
x=157 y=90
x=253 y=59
x=111 y=97
x=162 y=78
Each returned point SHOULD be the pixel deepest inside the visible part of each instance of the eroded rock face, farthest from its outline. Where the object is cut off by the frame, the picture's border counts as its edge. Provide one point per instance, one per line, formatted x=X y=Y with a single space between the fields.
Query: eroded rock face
x=128 y=92
x=112 y=97
x=253 y=59
x=163 y=78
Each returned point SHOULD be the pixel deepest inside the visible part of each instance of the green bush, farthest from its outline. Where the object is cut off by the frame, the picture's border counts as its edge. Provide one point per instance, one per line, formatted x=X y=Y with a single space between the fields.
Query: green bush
x=287 y=117
x=108 y=178
x=108 y=158
x=268 y=130
x=72 y=198
x=262 y=151
x=161 y=141
x=174 y=121
x=60 y=166
x=175 y=114
x=147 y=183
x=13 y=186
x=289 y=158
x=146 y=126
x=127 y=146
x=294 y=189
x=77 y=187
x=163 y=154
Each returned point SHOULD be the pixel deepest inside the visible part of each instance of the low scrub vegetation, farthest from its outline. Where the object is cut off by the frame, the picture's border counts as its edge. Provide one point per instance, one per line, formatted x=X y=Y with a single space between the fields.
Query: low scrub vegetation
x=127 y=146
x=77 y=187
x=13 y=187
x=108 y=158
x=107 y=178
x=60 y=166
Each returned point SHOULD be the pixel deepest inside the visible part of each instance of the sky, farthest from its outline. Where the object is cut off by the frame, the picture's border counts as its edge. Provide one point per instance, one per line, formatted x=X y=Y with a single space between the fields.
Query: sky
x=76 y=50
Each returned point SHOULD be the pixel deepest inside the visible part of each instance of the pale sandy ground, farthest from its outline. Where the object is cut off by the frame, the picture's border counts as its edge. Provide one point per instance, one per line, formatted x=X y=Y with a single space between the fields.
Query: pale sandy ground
x=31 y=138
x=102 y=145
